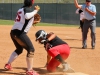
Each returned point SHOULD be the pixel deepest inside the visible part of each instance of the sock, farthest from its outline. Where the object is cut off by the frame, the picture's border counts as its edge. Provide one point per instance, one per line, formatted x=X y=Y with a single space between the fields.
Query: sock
x=13 y=56
x=29 y=63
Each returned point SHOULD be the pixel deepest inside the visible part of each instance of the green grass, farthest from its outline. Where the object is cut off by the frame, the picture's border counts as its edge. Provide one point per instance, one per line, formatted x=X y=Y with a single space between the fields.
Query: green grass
x=54 y=24
x=10 y=22
x=6 y=22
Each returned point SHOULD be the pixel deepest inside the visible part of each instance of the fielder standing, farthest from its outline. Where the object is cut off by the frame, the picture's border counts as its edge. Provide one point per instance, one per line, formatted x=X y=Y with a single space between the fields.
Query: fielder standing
x=57 y=49
x=89 y=22
x=23 y=23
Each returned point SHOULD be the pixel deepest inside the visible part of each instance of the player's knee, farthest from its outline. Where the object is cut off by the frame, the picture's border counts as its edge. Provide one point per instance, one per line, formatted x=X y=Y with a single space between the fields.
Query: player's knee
x=19 y=51
x=30 y=54
x=50 y=69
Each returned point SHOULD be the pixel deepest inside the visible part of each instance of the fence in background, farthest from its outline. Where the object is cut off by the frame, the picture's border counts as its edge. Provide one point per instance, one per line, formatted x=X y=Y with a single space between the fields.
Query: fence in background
x=50 y=12
x=47 y=1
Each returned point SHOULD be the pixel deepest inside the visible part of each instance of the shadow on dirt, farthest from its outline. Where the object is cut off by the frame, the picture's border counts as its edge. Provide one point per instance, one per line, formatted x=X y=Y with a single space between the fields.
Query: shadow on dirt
x=73 y=39
x=75 y=47
x=5 y=72
x=40 y=70
x=80 y=48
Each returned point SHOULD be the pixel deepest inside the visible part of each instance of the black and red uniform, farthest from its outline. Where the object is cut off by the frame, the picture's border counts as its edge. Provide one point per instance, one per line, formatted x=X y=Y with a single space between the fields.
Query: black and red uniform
x=58 y=46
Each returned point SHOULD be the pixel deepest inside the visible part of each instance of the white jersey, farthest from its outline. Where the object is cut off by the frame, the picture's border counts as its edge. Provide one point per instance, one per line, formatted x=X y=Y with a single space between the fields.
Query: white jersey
x=24 y=19
x=81 y=14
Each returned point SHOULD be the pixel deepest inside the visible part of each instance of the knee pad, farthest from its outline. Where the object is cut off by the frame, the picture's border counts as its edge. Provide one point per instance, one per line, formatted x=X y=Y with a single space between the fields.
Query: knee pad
x=30 y=54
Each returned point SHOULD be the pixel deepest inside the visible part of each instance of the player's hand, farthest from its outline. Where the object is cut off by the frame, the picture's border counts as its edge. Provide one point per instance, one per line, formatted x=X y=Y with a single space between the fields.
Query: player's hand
x=37 y=7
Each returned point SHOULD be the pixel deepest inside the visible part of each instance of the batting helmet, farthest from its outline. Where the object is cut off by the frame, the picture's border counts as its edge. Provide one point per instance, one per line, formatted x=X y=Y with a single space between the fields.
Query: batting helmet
x=40 y=34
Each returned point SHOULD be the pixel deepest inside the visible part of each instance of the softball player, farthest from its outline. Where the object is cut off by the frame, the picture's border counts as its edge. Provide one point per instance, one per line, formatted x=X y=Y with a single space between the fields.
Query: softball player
x=58 y=50
x=23 y=22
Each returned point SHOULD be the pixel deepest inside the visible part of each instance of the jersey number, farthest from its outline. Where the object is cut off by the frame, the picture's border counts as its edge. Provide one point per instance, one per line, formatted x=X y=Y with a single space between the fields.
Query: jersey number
x=18 y=18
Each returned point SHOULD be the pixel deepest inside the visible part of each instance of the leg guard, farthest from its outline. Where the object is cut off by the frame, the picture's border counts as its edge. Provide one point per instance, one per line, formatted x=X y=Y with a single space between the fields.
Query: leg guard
x=30 y=54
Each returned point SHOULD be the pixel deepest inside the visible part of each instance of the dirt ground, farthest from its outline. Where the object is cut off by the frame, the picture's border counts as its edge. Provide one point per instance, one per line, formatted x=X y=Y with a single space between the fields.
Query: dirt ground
x=81 y=60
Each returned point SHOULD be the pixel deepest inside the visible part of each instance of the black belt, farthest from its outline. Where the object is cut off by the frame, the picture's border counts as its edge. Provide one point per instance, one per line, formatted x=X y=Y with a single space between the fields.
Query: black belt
x=91 y=19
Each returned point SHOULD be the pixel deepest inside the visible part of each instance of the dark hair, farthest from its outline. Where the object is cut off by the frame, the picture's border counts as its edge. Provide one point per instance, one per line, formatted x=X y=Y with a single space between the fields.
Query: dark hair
x=27 y=3
x=88 y=0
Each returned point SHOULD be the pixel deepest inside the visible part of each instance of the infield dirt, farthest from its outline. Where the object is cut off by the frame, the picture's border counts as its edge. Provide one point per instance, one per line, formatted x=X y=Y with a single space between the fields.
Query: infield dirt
x=81 y=60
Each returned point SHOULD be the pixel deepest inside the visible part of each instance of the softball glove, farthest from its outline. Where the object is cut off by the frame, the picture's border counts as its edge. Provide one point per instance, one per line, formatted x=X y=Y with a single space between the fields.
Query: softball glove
x=37 y=19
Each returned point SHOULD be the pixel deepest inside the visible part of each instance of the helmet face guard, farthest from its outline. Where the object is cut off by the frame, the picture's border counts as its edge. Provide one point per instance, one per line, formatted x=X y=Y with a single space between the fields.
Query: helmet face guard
x=41 y=34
